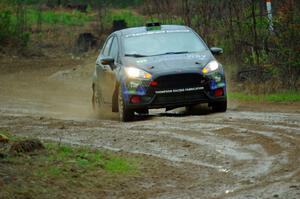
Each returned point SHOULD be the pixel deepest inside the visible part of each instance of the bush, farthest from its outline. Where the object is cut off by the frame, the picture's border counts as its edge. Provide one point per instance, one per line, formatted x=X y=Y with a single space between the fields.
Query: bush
x=13 y=28
x=5 y=26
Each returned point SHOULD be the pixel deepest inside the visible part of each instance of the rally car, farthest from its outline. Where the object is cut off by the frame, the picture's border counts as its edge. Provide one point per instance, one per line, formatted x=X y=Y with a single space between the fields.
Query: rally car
x=157 y=66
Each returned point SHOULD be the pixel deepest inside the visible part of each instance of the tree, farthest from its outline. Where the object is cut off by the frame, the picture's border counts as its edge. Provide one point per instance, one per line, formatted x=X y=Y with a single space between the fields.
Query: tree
x=285 y=55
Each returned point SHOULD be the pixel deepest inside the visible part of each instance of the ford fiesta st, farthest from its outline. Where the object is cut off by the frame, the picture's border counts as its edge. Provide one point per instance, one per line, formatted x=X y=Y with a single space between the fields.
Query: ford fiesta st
x=157 y=66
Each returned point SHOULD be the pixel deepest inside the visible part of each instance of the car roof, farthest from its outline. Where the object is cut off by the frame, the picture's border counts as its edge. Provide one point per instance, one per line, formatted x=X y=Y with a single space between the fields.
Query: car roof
x=143 y=29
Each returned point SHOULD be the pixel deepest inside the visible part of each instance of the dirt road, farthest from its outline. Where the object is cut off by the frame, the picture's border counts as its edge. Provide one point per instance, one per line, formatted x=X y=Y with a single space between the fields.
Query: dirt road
x=244 y=153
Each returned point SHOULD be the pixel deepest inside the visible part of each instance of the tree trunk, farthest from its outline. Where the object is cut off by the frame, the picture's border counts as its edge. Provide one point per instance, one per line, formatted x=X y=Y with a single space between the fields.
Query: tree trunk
x=254 y=25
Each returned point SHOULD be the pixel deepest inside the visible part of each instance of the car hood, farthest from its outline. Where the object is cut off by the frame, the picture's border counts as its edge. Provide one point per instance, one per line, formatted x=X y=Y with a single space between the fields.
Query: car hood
x=172 y=63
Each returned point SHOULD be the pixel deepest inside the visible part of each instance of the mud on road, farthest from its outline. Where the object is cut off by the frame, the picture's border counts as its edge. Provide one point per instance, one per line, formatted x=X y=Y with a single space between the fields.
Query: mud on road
x=243 y=153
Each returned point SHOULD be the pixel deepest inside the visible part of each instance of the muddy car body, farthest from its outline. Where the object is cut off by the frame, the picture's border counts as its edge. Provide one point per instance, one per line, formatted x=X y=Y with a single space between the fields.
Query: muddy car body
x=155 y=66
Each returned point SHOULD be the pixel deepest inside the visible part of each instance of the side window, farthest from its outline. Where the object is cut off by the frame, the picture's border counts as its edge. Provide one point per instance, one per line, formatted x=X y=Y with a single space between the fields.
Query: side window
x=114 y=49
x=107 y=46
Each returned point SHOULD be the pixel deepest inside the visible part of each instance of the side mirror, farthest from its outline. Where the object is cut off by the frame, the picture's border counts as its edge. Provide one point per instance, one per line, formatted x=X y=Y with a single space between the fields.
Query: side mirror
x=107 y=61
x=216 y=50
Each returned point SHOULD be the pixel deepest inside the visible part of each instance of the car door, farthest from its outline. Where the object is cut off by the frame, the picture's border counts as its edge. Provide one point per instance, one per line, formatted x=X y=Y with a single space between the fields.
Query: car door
x=102 y=70
x=111 y=72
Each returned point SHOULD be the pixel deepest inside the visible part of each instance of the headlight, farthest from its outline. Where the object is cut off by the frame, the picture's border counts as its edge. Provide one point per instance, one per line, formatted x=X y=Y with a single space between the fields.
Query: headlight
x=133 y=72
x=211 y=66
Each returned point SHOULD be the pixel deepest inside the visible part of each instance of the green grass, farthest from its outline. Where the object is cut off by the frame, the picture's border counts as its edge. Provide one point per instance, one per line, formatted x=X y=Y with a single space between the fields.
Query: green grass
x=59 y=158
x=9 y=136
x=290 y=96
x=118 y=165
x=132 y=19
x=58 y=17
x=50 y=17
x=64 y=171
x=87 y=159
x=10 y=25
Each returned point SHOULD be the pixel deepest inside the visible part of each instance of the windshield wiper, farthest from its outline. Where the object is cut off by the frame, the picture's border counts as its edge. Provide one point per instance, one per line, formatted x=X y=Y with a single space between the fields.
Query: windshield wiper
x=173 y=53
x=135 y=55
x=167 y=53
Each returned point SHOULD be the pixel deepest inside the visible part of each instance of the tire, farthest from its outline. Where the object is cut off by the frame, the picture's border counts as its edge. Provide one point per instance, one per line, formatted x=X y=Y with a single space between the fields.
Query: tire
x=189 y=109
x=125 y=114
x=219 y=107
x=143 y=111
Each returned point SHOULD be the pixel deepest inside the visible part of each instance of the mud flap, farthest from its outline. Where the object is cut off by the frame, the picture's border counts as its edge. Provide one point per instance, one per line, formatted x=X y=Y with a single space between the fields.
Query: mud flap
x=93 y=97
x=115 y=107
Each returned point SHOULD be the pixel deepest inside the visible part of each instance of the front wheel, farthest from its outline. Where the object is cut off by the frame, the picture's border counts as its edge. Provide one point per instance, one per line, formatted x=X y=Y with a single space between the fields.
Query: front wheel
x=219 y=106
x=143 y=112
x=125 y=114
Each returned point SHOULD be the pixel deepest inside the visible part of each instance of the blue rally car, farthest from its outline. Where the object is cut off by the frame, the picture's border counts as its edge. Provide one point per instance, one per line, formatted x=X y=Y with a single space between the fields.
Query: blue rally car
x=157 y=66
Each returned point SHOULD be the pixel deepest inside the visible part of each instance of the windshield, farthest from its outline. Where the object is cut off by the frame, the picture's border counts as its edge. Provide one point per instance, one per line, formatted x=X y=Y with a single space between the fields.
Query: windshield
x=163 y=42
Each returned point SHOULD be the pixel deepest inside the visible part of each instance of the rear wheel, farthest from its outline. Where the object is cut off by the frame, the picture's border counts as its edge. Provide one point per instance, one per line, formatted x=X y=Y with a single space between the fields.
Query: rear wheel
x=125 y=114
x=219 y=106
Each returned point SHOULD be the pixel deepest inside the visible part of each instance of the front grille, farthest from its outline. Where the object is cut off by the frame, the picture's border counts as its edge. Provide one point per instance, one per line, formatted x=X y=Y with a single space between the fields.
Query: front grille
x=178 y=81
x=188 y=97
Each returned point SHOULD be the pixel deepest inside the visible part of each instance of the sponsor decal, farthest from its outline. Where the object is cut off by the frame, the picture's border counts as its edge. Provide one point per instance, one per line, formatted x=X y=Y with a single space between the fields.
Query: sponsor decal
x=142 y=61
x=196 y=56
x=181 y=90
x=144 y=33
x=177 y=31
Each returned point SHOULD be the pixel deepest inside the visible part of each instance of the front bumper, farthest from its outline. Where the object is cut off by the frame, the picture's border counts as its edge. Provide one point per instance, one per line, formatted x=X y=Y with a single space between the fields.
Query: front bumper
x=172 y=101
x=173 y=91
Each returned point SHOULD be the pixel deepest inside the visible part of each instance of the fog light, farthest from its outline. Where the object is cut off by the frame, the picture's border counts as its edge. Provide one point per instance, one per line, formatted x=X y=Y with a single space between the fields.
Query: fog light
x=135 y=99
x=219 y=92
x=133 y=84
x=218 y=79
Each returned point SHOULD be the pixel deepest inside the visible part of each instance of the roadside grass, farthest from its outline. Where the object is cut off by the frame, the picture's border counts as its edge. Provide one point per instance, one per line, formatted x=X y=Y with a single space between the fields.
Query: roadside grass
x=132 y=19
x=91 y=159
x=289 y=96
x=69 y=18
x=47 y=17
x=61 y=169
x=9 y=135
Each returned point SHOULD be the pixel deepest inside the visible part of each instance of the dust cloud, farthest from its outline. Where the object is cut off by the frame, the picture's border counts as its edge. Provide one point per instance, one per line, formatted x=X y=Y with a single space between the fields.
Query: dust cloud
x=57 y=92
